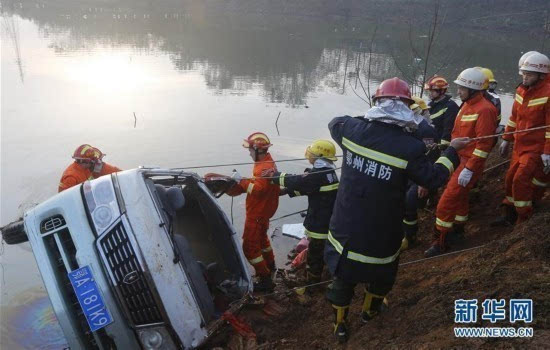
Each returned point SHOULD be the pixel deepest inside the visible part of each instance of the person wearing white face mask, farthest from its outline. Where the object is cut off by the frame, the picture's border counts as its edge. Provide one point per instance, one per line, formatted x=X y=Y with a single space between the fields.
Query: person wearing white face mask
x=380 y=155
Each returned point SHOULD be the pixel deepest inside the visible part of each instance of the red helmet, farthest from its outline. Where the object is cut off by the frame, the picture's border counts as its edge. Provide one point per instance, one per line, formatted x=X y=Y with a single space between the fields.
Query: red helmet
x=436 y=83
x=258 y=141
x=393 y=88
x=86 y=152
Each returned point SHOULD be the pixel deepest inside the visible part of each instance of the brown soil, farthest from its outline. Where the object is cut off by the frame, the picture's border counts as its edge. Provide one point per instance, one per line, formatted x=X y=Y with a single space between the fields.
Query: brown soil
x=513 y=263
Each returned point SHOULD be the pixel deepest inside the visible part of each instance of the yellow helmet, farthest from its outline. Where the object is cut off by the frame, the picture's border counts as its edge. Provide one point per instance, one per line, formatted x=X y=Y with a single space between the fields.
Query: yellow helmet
x=488 y=74
x=322 y=149
x=419 y=102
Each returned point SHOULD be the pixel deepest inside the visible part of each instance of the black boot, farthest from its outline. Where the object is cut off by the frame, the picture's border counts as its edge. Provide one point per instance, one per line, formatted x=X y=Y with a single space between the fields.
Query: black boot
x=340 y=329
x=508 y=218
x=264 y=284
x=438 y=245
x=456 y=236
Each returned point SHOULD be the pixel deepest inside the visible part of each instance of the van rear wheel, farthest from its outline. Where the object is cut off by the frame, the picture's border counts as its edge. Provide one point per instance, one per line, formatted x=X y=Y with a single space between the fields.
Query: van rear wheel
x=14 y=233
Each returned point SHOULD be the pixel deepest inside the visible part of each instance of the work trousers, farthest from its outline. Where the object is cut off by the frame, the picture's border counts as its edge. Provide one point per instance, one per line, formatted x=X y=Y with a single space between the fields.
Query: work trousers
x=453 y=205
x=524 y=182
x=412 y=204
x=256 y=246
x=541 y=182
x=340 y=292
x=315 y=259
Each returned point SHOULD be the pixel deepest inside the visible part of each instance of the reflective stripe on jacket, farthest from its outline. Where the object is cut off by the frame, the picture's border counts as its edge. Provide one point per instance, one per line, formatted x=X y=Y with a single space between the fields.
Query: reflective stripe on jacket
x=531 y=109
x=443 y=114
x=320 y=185
x=477 y=117
x=379 y=159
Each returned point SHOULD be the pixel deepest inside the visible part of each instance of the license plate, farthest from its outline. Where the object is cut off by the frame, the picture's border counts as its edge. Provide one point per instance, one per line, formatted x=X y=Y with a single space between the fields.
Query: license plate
x=90 y=298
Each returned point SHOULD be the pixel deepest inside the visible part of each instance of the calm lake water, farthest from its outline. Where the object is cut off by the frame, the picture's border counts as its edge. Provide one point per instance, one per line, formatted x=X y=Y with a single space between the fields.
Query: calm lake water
x=198 y=84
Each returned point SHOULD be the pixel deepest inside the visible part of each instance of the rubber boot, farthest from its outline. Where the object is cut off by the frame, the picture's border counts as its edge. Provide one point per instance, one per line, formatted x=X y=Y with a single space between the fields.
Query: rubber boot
x=456 y=236
x=404 y=244
x=340 y=328
x=438 y=245
x=264 y=284
x=372 y=306
x=508 y=218
x=411 y=237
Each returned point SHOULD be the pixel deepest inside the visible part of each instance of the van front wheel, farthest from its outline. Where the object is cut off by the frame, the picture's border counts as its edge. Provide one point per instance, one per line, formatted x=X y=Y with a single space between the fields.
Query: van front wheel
x=14 y=233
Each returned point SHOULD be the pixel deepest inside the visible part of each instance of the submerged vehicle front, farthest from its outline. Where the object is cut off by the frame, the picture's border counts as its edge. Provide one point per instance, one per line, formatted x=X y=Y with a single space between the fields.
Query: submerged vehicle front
x=141 y=258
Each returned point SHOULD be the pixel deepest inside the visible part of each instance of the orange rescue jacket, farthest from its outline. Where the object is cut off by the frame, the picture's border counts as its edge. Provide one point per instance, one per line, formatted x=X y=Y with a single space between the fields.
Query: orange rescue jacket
x=262 y=198
x=477 y=117
x=531 y=109
x=75 y=174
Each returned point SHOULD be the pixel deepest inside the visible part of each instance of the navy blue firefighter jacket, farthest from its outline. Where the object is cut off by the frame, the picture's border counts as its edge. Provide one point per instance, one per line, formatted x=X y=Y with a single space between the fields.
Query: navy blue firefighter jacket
x=320 y=185
x=378 y=160
x=443 y=114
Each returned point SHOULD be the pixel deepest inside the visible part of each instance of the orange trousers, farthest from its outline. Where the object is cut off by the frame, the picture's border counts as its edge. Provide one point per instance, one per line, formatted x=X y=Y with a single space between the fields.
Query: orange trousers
x=525 y=181
x=453 y=205
x=541 y=182
x=256 y=246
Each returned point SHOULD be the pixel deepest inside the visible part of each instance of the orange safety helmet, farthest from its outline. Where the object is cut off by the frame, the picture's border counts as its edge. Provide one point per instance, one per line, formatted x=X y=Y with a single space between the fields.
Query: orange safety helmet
x=257 y=141
x=87 y=153
x=436 y=83
x=392 y=88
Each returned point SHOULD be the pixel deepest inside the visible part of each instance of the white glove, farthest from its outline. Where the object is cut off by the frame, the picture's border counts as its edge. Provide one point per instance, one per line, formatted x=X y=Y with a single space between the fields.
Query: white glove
x=546 y=162
x=504 y=147
x=465 y=177
x=236 y=176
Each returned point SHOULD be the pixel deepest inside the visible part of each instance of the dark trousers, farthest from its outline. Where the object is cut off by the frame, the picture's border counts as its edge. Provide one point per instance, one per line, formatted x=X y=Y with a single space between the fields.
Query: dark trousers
x=340 y=292
x=315 y=259
x=412 y=204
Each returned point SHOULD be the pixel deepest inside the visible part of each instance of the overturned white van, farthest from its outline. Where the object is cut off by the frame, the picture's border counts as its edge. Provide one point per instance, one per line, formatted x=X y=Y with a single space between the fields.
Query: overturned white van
x=144 y=258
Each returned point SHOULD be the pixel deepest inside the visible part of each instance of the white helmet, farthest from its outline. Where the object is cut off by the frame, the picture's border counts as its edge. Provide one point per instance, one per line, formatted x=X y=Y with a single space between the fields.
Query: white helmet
x=523 y=57
x=471 y=78
x=536 y=62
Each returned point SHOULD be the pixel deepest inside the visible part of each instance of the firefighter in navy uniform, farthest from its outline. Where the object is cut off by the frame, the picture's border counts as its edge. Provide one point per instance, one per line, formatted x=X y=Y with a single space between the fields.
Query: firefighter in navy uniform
x=319 y=184
x=418 y=196
x=380 y=156
x=443 y=110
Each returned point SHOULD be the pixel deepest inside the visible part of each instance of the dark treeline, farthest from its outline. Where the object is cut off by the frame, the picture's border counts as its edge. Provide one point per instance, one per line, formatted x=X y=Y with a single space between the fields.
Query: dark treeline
x=288 y=48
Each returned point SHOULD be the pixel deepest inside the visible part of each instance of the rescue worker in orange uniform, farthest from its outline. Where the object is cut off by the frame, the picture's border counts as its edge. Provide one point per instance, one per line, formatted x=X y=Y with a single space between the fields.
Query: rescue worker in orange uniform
x=262 y=201
x=477 y=117
x=88 y=165
x=527 y=176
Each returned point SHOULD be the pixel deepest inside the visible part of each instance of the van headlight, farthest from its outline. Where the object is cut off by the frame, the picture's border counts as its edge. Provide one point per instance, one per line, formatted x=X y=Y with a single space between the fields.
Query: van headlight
x=156 y=338
x=102 y=204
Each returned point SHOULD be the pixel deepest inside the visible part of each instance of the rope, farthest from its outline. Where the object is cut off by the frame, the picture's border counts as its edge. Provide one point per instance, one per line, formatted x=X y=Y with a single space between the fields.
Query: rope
x=287 y=175
x=287 y=215
x=232 y=210
x=442 y=255
x=245 y=163
x=402 y=264
x=496 y=166
x=509 y=133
